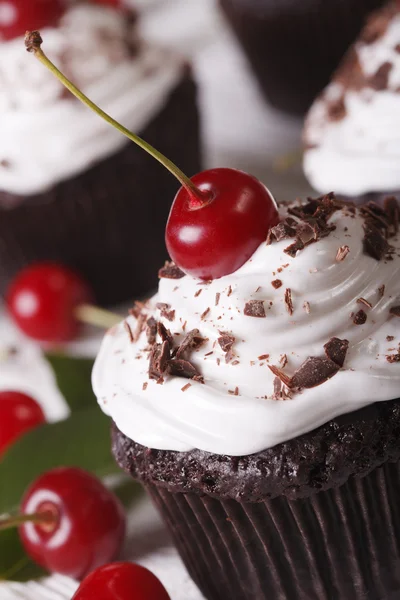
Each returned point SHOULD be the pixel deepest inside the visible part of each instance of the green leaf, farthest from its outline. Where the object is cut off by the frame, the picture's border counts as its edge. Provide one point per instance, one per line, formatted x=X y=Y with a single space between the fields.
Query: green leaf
x=14 y=563
x=73 y=375
x=127 y=490
x=82 y=440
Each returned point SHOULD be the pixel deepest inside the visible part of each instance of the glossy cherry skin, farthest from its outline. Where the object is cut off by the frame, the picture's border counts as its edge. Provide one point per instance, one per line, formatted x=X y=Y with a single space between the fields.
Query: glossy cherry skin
x=43 y=298
x=18 y=414
x=89 y=525
x=218 y=237
x=121 y=581
x=18 y=16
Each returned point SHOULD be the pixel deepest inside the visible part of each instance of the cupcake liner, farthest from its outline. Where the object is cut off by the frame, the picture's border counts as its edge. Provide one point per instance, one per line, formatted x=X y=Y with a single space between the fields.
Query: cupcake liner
x=109 y=222
x=294 y=47
x=341 y=544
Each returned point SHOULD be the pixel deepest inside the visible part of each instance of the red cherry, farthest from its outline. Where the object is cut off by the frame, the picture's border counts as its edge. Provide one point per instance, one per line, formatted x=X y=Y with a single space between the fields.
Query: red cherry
x=214 y=238
x=121 y=581
x=88 y=526
x=16 y=16
x=43 y=299
x=18 y=414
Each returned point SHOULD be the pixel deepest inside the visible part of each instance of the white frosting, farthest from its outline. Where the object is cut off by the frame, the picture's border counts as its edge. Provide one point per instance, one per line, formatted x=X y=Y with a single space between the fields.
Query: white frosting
x=208 y=416
x=46 y=134
x=360 y=152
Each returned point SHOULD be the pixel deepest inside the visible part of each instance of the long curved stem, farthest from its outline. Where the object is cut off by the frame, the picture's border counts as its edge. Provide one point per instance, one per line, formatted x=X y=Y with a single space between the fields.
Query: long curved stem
x=10 y=522
x=33 y=43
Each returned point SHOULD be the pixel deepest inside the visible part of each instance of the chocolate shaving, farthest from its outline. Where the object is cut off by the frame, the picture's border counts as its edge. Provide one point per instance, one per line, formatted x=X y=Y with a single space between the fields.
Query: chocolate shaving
x=375 y=244
x=337 y=109
x=183 y=368
x=283 y=360
x=166 y=311
x=226 y=342
x=294 y=248
x=159 y=360
x=129 y=330
x=263 y=357
x=395 y=310
x=336 y=350
x=277 y=283
x=307 y=307
x=285 y=230
x=360 y=317
x=379 y=81
x=280 y=391
x=151 y=330
x=342 y=253
x=389 y=338
x=281 y=375
x=205 y=313
x=255 y=308
x=165 y=334
x=393 y=358
x=197 y=294
x=186 y=387
x=192 y=341
x=144 y=386
x=140 y=325
x=381 y=290
x=217 y=297
x=313 y=372
x=170 y=271
x=229 y=292
x=365 y=302
x=288 y=301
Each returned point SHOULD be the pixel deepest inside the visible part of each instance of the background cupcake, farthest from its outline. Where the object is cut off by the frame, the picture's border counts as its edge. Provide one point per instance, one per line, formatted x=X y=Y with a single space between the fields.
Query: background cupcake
x=294 y=47
x=261 y=410
x=72 y=189
x=352 y=130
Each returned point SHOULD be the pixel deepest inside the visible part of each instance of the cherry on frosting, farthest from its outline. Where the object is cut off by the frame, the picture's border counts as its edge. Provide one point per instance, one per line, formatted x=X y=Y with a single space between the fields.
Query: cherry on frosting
x=213 y=237
x=74 y=524
x=121 y=581
x=18 y=414
x=219 y=217
x=16 y=16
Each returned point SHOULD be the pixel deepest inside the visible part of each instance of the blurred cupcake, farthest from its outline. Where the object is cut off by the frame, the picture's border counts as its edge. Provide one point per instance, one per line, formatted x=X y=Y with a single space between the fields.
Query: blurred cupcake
x=352 y=130
x=72 y=189
x=261 y=410
x=294 y=47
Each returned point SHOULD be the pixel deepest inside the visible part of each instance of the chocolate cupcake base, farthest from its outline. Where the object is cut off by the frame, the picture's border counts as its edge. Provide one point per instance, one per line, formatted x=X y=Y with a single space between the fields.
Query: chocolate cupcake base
x=342 y=544
x=294 y=47
x=108 y=223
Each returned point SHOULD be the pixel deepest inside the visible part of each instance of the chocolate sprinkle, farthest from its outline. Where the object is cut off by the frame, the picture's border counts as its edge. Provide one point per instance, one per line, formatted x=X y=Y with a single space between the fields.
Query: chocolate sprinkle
x=395 y=310
x=336 y=350
x=129 y=330
x=360 y=317
x=217 y=297
x=186 y=387
x=170 y=271
x=342 y=253
x=255 y=308
x=205 y=313
x=144 y=387
x=365 y=302
x=288 y=301
x=192 y=341
x=277 y=283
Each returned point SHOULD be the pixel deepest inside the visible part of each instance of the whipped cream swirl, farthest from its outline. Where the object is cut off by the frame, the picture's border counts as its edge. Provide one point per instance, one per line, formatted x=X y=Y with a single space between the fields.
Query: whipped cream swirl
x=352 y=131
x=46 y=134
x=234 y=412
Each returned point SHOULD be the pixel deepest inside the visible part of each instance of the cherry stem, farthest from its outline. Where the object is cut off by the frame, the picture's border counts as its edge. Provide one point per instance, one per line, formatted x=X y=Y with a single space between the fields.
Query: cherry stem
x=33 y=43
x=11 y=522
x=93 y=315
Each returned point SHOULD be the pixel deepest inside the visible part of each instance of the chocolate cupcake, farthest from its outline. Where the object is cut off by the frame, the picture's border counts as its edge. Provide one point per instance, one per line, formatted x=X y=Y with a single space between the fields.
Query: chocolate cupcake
x=261 y=410
x=71 y=188
x=352 y=130
x=294 y=47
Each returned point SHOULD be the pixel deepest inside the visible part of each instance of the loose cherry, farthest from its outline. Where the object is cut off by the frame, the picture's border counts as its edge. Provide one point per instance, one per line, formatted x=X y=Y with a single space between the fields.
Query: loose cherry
x=71 y=523
x=121 y=581
x=18 y=414
x=16 y=16
x=212 y=238
x=218 y=218
x=49 y=302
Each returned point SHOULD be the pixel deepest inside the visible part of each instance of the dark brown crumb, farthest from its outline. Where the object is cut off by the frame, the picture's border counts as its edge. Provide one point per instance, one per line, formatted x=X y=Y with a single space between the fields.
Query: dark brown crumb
x=389 y=338
x=393 y=358
x=217 y=297
x=198 y=293
x=381 y=290
x=360 y=317
x=395 y=310
x=205 y=313
x=218 y=361
x=365 y=302
x=307 y=307
x=186 y=387
x=144 y=387
x=229 y=291
x=234 y=392
x=342 y=253
x=263 y=357
x=209 y=353
x=283 y=360
x=288 y=301
x=129 y=330
x=255 y=308
x=276 y=283
x=170 y=271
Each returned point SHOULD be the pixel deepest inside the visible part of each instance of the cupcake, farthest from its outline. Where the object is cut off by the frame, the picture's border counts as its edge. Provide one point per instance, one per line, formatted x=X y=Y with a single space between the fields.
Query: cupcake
x=351 y=131
x=72 y=189
x=293 y=47
x=261 y=410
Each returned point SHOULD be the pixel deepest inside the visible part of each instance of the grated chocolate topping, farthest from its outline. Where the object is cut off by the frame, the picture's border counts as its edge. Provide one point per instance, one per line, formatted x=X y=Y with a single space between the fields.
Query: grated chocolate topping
x=170 y=271
x=255 y=308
